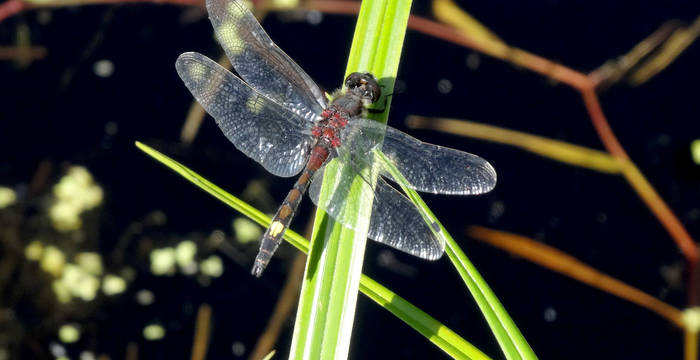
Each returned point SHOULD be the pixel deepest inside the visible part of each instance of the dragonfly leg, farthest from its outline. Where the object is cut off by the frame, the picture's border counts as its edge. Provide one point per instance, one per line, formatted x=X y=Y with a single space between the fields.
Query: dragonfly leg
x=383 y=108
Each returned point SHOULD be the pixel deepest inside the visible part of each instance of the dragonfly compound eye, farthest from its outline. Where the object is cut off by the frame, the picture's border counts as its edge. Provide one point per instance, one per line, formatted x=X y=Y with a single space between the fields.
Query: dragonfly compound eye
x=365 y=83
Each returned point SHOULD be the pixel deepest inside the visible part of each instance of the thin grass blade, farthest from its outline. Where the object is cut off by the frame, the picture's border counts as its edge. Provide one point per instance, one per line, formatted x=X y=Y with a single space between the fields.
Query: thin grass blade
x=511 y=341
x=439 y=334
x=326 y=311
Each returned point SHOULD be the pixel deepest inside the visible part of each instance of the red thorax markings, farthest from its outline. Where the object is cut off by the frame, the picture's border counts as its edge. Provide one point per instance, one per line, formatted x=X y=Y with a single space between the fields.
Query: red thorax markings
x=329 y=127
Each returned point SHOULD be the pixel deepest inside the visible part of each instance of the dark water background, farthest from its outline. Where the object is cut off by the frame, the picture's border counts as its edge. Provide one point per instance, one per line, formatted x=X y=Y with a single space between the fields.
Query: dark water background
x=57 y=109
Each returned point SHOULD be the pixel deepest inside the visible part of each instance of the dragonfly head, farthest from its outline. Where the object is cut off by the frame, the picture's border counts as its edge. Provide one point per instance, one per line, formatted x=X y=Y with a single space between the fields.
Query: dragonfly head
x=363 y=85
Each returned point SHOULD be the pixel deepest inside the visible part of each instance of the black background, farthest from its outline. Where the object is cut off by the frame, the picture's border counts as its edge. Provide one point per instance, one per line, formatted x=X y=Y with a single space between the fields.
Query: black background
x=57 y=109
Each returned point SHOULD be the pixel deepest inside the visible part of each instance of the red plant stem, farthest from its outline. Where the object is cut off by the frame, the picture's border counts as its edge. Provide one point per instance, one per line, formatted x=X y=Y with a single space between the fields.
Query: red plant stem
x=10 y=8
x=13 y=7
x=605 y=133
x=502 y=51
x=645 y=191
x=333 y=6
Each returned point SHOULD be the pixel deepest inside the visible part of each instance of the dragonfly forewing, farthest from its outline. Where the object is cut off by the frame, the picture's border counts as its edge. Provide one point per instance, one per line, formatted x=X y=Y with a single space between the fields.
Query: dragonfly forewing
x=428 y=168
x=260 y=62
x=264 y=130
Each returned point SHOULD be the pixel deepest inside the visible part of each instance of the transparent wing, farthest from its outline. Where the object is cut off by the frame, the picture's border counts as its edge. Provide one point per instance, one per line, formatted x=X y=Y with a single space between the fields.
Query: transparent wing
x=347 y=176
x=395 y=221
x=260 y=62
x=427 y=167
x=259 y=127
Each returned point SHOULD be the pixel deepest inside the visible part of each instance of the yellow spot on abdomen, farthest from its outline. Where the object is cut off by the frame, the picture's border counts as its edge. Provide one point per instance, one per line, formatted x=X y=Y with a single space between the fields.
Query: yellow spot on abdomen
x=276 y=228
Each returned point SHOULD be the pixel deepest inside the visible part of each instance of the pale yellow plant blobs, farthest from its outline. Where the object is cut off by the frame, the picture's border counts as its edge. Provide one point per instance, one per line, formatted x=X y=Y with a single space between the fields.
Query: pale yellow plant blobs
x=90 y=262
x=185 y=252
x=695 y=151
x=7 y=197
x=78 y=186
x=65 y=216
x=153 y=332
x=80 y=283
x=69 y=333
x=246 y=230
x=212 y=266
x=163 y=261
x=113 y=285
x=52 y=261
x=34 y=251
x=61 y=290
x=75 y=193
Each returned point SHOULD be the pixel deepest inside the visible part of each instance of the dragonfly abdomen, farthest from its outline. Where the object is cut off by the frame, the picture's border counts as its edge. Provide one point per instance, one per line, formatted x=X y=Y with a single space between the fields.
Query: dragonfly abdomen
x=273 y=235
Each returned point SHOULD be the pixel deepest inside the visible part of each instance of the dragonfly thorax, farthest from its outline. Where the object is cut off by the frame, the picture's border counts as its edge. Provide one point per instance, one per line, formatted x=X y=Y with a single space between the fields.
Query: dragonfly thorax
x=333 y=120
x=362 y=90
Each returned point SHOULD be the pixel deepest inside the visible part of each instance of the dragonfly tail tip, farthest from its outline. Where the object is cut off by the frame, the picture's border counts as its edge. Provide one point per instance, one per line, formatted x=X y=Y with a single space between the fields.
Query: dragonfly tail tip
x=257 y=270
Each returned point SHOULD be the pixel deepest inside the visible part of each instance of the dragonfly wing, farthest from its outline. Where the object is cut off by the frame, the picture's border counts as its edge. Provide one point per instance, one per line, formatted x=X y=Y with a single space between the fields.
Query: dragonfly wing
x=427 y=167
x=260 y=62
x=261 y=128
x=395 y=220
x=339 y=204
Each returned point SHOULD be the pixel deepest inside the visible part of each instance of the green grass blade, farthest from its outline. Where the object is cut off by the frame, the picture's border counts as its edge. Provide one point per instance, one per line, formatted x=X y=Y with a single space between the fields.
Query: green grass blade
x=331 y=281
x=440 y=335
x=509 y=338
x=237 y=204
x=377 y=43
x=326 y=310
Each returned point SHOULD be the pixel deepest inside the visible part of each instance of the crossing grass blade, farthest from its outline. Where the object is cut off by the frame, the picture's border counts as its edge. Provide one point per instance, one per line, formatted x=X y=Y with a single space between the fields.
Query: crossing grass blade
x=511 y=341
x=437 y=333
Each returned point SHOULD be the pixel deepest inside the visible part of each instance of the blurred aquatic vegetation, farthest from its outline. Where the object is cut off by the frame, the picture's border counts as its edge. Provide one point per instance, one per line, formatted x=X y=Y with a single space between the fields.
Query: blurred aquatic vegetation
x=56 y=277
x=644 y=61
x=7 y=196
x=75 y=193
x=47 y=269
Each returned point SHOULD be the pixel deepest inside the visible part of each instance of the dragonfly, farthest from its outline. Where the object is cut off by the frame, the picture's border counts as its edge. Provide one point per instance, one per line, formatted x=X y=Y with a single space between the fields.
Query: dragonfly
x=276 y=114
